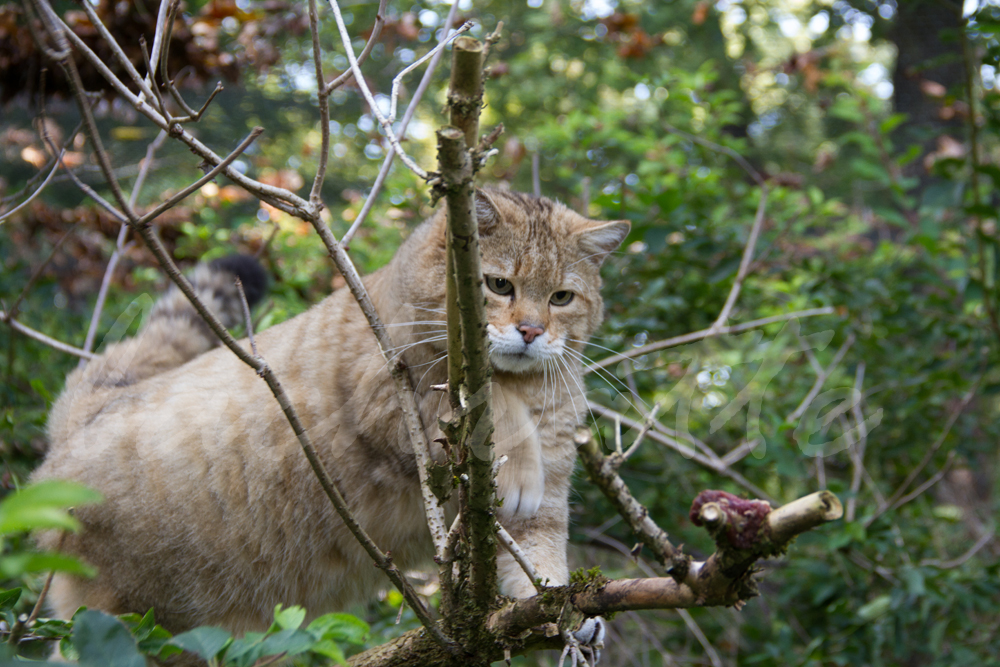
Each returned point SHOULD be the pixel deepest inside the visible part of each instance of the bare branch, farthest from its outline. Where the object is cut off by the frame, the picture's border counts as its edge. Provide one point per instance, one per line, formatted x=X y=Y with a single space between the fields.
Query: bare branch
x=37 y=191
x=508 y=543
x=986 y=538
x=42 y=338
x=367 y=93
x=369 y=45
x=390 y=155
x=706 y=333
x=821 y=379
x=36 y=274
x=210 y=175
x=715 y=464
x=952 y=418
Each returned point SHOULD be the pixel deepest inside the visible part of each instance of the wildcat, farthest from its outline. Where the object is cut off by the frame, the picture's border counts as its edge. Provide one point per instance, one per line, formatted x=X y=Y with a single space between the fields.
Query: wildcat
x=212 y=515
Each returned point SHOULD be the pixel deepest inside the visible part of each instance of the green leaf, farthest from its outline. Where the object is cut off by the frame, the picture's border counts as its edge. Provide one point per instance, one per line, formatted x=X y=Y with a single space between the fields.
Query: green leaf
x=290 y=618
x=290 y=642
x=104 y=641
x=340 y=627
x=205 y=642
x=17 y=564
x=329 y=649
x=877 y=607
x=892 y=122
x=9 y=598
x=43 y=505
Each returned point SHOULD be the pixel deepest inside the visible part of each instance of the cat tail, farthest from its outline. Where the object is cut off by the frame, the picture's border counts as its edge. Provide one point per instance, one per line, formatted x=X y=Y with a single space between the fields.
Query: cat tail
x=174 y=333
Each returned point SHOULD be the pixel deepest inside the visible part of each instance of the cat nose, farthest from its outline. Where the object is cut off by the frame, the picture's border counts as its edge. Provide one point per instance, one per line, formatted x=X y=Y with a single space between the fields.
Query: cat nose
x=529 y=331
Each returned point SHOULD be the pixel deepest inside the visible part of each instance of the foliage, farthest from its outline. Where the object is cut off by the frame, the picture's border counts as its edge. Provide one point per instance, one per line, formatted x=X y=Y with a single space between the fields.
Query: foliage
x=637 y=114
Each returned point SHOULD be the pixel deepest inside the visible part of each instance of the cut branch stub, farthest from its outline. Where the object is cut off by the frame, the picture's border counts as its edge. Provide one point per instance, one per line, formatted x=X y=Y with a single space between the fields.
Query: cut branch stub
x=465 y=97
x=734 y=522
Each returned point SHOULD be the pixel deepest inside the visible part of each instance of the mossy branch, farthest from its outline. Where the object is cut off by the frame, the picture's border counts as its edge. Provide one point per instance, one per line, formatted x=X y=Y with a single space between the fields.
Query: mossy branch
x=722 y=580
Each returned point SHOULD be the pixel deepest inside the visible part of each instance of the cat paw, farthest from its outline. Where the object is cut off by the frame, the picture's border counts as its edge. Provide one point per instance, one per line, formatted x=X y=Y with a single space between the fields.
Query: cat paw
x=521 y=488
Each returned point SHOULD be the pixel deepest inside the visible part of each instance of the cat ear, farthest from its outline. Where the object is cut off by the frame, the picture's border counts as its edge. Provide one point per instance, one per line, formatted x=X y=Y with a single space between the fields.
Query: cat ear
x=487 y=215
x=600 y=240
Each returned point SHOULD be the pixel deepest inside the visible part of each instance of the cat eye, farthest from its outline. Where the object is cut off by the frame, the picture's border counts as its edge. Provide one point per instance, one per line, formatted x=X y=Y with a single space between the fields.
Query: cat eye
x=501 y=286
x=561 y=298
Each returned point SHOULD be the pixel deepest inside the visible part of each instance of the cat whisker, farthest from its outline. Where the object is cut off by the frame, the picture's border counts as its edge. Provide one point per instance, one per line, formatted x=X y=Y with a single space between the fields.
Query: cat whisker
x=583 y=391
x=608 y=377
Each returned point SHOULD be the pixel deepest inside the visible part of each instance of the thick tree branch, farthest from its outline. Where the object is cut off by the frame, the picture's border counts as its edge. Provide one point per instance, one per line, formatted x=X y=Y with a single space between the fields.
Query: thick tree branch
x=723 y=579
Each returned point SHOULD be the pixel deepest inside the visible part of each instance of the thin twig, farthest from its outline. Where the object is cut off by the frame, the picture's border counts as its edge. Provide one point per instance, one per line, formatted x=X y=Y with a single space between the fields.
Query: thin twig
x=508 y=543
x=821 y=379
x=37 y=191
x=13 y=310
x=210 y=175
x=390 y=155
x=952 y=418
x=714 y=464
x=369 y=97
x=348 y=74
x=42 y=338
x=858 y=447
x=706 y=333
x=986 y=538
x=248 y=321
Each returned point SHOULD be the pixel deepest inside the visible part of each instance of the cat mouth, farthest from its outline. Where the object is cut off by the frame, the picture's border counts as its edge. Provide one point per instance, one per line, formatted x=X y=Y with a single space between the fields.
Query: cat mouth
x=515 y=362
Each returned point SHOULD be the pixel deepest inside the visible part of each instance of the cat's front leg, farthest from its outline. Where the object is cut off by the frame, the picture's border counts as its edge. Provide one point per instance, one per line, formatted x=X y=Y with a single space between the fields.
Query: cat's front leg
x=542 y=537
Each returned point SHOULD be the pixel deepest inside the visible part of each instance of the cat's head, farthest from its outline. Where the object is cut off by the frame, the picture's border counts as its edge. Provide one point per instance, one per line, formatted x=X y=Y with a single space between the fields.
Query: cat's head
x=541 y=267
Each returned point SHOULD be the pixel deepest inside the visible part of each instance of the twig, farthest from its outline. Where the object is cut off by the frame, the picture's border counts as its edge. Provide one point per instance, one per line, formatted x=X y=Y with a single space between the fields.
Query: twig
x=248 y=321
x=42 y=338
x=714 y=464
x=13 y=310
x=741 y=274
x=934 y=479
x=348 y=74
x=821 y=379
x=857 y=450
x=210 y=175
x=604 y=474
x=646 y=425
x=323 y=100
x=41 y=600
x=515 y=550
x=109 y=272
x=37 y=191
x=367 y=93
x=956 y=562
x=952 y=418
x=390 y=155
x=705 y=333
